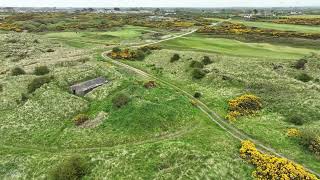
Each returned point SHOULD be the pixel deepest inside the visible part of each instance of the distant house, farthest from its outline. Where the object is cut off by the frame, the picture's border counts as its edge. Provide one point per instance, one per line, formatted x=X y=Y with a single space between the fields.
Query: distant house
x=248 y=17
x=87 y=86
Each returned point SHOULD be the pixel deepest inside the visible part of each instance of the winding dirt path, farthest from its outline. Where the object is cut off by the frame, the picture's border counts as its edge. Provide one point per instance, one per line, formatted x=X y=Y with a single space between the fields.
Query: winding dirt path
x=230 y=129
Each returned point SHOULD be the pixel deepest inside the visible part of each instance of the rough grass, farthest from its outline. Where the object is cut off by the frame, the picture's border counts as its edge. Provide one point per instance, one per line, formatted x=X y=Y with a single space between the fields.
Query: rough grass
x=159 y=134
x=228 y=77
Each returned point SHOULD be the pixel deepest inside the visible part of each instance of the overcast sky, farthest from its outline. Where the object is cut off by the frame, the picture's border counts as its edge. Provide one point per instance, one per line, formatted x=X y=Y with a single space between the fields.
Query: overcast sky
x=158 y=3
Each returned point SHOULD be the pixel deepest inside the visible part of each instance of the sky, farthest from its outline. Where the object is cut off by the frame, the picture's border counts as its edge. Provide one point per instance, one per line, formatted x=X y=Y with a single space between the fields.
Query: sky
x=158 y=3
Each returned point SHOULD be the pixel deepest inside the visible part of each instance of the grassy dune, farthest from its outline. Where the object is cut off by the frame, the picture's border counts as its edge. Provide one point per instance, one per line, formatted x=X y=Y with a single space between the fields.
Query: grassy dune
x=159 y=134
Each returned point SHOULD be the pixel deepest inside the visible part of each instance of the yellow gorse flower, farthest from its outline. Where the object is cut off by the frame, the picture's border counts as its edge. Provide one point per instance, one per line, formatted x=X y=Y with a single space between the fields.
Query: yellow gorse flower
x=272 y=167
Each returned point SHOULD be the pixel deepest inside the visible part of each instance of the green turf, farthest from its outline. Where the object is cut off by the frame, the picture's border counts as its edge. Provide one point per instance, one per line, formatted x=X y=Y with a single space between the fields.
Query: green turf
x=235 y=48
x=91 y=39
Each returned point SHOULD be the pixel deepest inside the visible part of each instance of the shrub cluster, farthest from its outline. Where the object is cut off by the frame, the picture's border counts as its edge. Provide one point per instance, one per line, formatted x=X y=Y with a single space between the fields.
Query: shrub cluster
x=127 y=54
x=120 y=100
x=247 y=104
x=206 y=60
x=197 y=95
x=196 y=64
x=272 y=167
x=38 y=82
x=175 y=58
x=300 y=64
x=311 y=140
x=296 y=119
x=300 y=21
x=293 y=132
x=150 y=84
x=228 y=28
x=73 y=168
x=198 y=73
x=304 y=77
x=41 y=70
x=17 y=71
x=80 y=119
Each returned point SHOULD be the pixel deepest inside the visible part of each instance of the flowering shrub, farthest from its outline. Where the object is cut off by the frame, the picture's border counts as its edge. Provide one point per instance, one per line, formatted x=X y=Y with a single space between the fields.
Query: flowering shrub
x=247 y=104
x=128 y=54
x=293 y=132
x=272 y=167
x=300 y=21
x=228 y=28
x=80 y=119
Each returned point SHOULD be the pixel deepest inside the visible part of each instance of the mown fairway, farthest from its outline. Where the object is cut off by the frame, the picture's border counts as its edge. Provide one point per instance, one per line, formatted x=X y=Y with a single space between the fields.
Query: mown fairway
x=235 y=48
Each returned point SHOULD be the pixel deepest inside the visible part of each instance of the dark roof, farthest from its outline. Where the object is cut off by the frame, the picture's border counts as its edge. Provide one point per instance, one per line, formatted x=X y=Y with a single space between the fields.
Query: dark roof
x=84 y=86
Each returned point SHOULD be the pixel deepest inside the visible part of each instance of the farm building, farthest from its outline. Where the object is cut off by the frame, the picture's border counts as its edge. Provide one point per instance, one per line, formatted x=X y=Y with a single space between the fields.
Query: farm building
x=87 y=86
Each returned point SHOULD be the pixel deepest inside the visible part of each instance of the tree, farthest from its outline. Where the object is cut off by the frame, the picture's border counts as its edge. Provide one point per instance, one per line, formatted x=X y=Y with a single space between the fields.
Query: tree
x=255 y=11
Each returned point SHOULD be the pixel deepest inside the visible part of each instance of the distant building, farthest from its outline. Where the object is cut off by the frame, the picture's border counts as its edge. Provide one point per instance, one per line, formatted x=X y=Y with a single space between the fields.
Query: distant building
x=248 y=17
x=87 y=86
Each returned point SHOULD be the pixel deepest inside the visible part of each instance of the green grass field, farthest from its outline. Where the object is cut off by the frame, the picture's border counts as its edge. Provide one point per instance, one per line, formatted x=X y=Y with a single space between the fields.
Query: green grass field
x=235 y=48
x=93 y=39
x=270 y=25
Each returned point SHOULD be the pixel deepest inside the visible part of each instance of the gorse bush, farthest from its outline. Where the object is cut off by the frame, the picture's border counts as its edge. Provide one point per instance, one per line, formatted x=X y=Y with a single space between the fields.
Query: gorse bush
x=41 y=70
x=300 y=64
x=293 y=132
x=38 y=82
x=198 y=73
x=74 y=168
x=80 y=119
x=175 y=57
x=247 y=104
x=310 y=139
x=196 y=64
x=296 y=119
x=206 y=60
x=120 y=100
x=17 y=71
x=272 y=167
x=197 y=95
x=304 y=77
